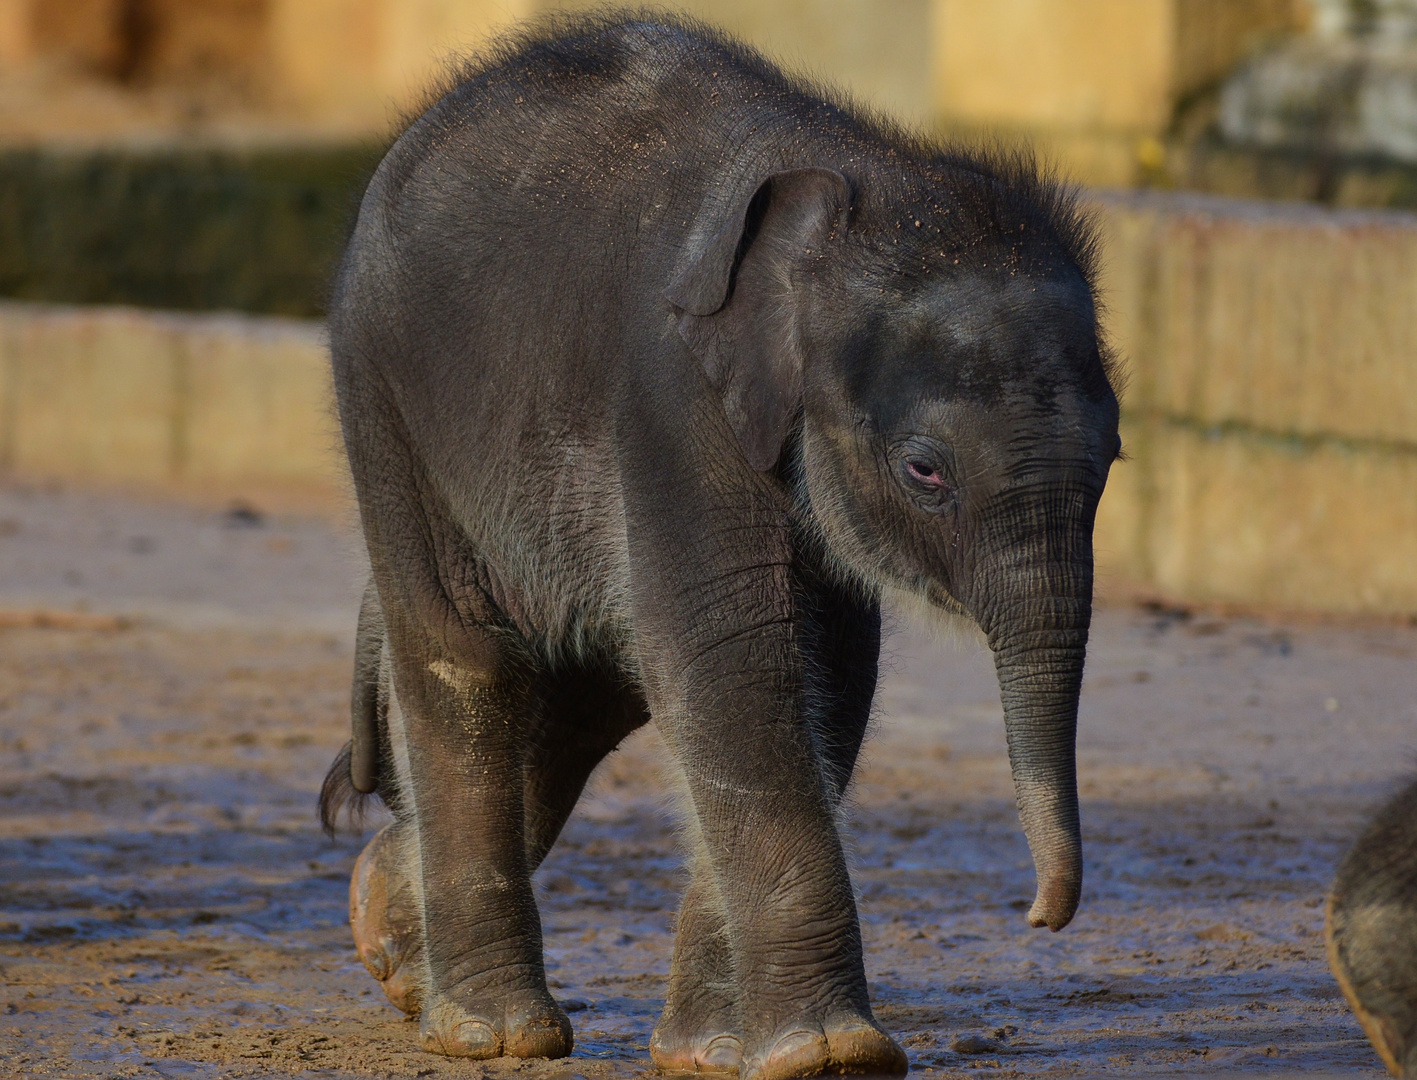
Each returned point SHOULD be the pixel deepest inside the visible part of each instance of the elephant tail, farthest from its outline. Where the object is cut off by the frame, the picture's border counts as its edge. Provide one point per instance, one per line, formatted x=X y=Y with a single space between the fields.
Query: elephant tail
x=358 y=770
x=338 y=797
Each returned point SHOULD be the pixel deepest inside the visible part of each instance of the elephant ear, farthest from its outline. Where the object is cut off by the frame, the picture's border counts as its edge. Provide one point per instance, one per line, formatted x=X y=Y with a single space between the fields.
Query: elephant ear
x=740 y=293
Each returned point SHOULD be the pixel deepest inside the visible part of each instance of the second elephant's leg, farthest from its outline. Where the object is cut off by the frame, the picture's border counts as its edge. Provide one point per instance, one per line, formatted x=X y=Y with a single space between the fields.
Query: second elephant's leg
x=581 y=716
x=700 y=1028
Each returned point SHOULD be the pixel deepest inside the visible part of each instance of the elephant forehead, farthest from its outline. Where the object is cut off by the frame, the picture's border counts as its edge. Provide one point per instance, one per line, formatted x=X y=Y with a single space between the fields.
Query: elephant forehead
x=993 y=317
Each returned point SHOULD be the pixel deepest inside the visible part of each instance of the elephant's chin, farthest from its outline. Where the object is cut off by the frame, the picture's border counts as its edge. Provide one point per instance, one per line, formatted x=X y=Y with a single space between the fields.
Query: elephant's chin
x=941 y=599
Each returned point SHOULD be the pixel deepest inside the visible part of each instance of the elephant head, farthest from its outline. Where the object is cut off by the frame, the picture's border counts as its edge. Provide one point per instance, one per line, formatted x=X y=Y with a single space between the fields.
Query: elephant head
x=924 y=345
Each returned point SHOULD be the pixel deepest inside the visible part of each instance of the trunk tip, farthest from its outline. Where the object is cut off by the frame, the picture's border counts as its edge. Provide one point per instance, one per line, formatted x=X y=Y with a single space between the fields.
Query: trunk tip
x=1055 y=905
x=1054 y=921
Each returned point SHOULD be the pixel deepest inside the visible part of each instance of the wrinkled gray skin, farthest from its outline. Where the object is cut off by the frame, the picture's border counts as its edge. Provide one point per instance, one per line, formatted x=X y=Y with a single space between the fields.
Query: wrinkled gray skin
x=654 y=370
x=1371 y=929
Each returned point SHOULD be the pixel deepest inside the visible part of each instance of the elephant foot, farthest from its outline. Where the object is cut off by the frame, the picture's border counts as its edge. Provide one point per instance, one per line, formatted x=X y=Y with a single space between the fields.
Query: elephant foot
x=852 y=1046
x=676 y=1048
x=698 y=1030
x=527 y=1025
x=384 y=916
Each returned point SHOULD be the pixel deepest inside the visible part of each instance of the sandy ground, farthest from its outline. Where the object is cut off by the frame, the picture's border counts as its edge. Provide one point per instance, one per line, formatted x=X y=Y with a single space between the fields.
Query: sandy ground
x=168 y=906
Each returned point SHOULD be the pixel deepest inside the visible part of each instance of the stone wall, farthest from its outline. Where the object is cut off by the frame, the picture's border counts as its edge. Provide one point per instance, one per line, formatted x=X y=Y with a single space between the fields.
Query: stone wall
x=1270 y=419
x=1095 y=82
x=1271 y=411
x=121 y=396
x=351 y=66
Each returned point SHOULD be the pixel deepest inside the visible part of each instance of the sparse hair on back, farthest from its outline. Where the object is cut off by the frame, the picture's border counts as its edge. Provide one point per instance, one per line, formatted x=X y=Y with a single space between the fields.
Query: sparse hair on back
x=995 y=187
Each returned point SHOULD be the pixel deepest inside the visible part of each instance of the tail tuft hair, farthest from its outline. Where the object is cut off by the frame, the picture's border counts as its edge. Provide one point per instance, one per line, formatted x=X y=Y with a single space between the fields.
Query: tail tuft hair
x=339 y=799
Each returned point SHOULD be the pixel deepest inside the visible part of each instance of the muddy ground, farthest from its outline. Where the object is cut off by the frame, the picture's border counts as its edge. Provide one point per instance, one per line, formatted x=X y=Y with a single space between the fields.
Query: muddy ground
x=168 y=906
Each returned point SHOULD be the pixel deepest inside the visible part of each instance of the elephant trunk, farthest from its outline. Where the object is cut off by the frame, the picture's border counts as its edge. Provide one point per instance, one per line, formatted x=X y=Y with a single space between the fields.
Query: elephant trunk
x=1039 y=659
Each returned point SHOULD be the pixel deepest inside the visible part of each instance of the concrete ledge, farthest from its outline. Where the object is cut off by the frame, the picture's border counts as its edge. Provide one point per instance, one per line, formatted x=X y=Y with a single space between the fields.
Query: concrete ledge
x=1248 y=518
x=125 y=396
x=1271 y=411
x=1271 y=418
x=1282 y=317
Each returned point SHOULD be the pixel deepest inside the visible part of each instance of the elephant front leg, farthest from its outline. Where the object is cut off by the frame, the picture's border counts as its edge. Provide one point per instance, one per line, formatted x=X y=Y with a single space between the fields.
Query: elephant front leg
x=700 y=1029
x=761 y=801
x=460 y=734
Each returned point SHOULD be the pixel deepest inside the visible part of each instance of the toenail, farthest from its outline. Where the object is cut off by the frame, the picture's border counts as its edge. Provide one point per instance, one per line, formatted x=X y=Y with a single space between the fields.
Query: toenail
x=722 y=1052
x=796 y=1040
x=797 y=1050
x=476 y=1035
x=376 y=962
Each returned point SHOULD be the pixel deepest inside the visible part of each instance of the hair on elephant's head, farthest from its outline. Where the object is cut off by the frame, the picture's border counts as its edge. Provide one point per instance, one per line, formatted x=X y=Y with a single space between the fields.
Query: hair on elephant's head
x=934 y=334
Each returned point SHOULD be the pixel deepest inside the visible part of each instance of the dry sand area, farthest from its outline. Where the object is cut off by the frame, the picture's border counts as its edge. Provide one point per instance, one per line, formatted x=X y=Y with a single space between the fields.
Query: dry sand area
x=169 y=907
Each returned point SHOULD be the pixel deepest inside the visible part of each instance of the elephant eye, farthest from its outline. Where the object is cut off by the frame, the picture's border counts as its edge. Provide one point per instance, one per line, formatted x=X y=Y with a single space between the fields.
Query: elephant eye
x=924 y=468
x=924 y=472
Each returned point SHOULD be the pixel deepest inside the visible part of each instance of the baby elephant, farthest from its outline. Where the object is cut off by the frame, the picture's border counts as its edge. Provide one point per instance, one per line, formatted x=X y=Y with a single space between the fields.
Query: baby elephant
x=655 y=370
x=1371 y=927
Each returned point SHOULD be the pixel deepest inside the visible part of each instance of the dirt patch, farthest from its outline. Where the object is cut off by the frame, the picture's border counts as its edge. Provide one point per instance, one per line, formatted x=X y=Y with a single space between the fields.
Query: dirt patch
x=168 y=906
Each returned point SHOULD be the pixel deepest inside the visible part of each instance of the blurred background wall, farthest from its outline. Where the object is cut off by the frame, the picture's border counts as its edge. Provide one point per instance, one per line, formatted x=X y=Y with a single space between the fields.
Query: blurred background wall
x=207 y=155
x=1097 y=81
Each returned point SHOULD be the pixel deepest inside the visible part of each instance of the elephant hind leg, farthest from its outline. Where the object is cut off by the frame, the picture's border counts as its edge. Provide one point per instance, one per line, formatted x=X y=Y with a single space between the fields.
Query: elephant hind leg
x=699 y=1030
x=577 y=718
x=582 y=715
x=386 y=915
x=459 y=719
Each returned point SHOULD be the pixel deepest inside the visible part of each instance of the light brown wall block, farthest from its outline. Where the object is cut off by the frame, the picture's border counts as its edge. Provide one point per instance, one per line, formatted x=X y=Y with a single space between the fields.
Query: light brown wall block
x=258 y=403
x=88 y=393
x=1284 y=317
x=1252 y=519
x=1092 y=82
x=1272 y=402
x=127 y=396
